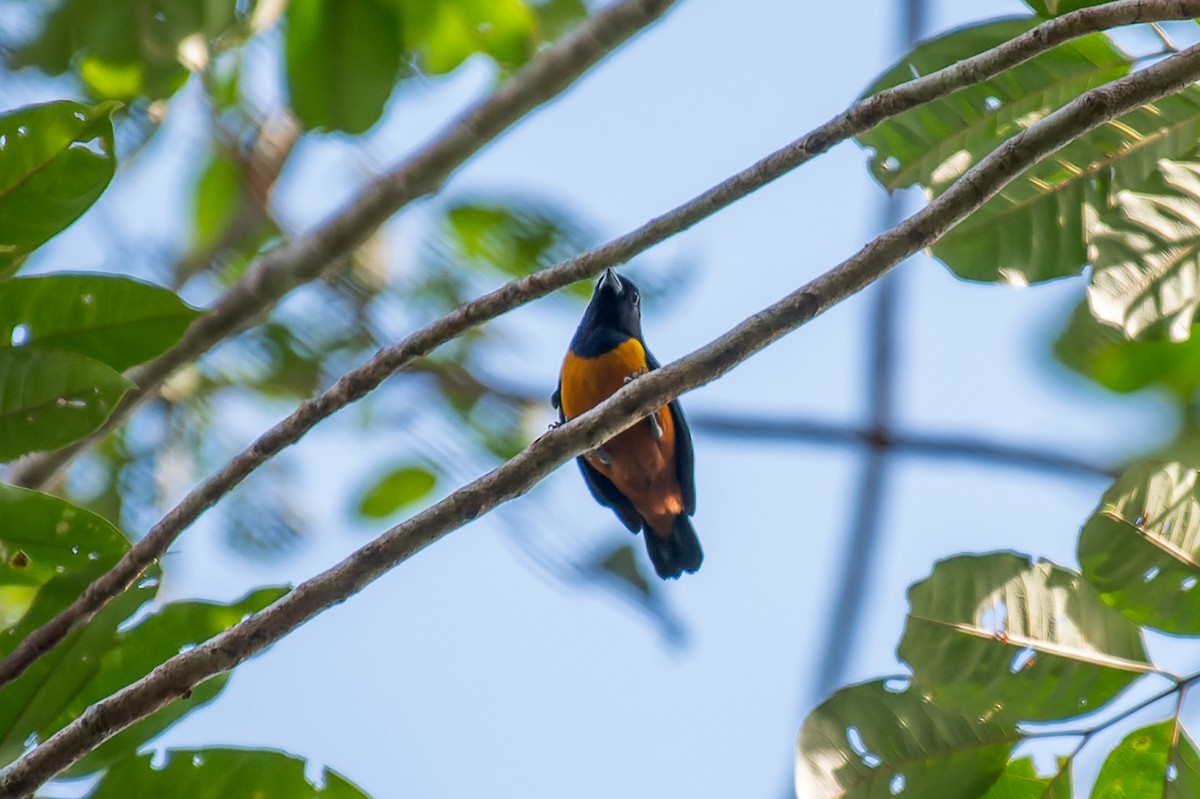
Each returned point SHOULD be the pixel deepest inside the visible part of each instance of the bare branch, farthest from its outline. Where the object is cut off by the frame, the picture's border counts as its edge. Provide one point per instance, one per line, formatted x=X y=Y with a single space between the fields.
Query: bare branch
x=636 y=400
x=927 y=445
x=308 y=258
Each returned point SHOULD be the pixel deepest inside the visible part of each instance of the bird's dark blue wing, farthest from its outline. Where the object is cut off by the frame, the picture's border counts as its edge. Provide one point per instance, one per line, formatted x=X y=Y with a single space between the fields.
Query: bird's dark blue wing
x=685 y=458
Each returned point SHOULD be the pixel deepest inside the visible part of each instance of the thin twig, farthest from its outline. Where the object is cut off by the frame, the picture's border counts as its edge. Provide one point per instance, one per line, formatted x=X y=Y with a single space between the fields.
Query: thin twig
x=635 y=401
x=924 y=445
x=308 y=258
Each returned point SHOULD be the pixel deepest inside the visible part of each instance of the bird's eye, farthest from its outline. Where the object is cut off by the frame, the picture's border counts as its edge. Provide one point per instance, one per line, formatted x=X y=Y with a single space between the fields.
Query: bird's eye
x=637 y=298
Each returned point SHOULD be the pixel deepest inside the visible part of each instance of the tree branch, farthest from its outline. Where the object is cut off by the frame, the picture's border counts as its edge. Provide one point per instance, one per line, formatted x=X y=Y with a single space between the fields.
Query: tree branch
x=323 y=249
x=278 y=273
x=926 y=445
x=636 y=400
x=356 y=384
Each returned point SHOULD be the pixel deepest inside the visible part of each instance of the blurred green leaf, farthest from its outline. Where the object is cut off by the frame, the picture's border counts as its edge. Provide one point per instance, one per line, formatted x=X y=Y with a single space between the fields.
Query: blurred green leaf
x=131 y=49
x=342 y=61
x=135 y=652
x=557 y=17
x=1145 y=253
x=222 y=773
x=1155 y=762
x=42 y=536
x=115 y=320
x=515 y=237
x=622 y=563
x=444 y=33
x=999 y=637
x=220 y=192
x=55 y=160
x=1056 y=8
x=396 y=489
x=1102 y=353
x=49 y=399
x=1020 y=780
x=1141 y=547
x=869 y=741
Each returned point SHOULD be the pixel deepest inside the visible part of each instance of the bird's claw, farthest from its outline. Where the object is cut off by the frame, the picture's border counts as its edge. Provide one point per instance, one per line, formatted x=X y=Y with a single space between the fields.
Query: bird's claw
x=636 y=375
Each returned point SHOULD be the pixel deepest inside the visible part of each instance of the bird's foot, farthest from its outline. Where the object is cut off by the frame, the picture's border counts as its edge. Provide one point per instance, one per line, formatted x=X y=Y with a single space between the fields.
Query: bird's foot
x=630 y=378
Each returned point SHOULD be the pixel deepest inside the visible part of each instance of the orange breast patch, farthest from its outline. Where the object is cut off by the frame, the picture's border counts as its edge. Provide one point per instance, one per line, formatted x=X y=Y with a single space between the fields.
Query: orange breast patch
x=641 y=466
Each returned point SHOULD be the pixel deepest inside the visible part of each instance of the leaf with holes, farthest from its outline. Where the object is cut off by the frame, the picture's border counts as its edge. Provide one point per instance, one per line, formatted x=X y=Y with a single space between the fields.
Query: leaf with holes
x=1145 y=253
x=1020 y=780
x=1155 y=762
x=997 y=636
x=49 y=399
x=933 y=144
x=222 y=773
x=115 y=320
x=1037 y=228
x=1101 y=353
x=55 y=161
x=1141 y=547
x=43 y=536
x=868 y=741
x=343 y=60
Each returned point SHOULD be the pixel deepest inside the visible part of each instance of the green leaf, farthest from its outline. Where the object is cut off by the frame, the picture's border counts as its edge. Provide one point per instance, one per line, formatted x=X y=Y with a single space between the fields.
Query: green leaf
x=556 y=17
x=997 y=636
x=38 y=696
x=55 y=160
x=222 y=773
x=444 y=33
x=104 y=656
x=515 y=238
x=49 y=399
x=933 y=144
x=1103 y=354
x=1145 y=253
x=869 y=741
x=43 y=536
x=342 y=61
x=1056 y=8
x=1036 y=228
x=1141 y=547
x=115 y=320
x=136 y=48
x=137 y=651
x=398 y=488
x=1155 y=762
x=1020 y=780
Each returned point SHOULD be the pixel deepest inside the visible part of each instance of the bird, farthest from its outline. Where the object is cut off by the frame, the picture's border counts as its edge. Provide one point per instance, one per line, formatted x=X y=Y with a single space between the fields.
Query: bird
x=645 y=474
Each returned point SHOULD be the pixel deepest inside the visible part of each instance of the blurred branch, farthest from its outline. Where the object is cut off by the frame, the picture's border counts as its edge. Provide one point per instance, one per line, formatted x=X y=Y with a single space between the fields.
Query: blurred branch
x=946 y=447
x=179 y=674
x=325 y=248
x=312 y=255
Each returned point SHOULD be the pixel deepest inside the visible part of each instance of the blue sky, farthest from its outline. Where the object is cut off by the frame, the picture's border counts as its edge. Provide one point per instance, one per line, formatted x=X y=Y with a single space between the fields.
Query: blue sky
x=469 y=672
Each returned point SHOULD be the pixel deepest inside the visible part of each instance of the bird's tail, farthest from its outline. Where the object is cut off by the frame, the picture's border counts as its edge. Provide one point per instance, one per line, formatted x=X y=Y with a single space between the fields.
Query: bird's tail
x=676 y=552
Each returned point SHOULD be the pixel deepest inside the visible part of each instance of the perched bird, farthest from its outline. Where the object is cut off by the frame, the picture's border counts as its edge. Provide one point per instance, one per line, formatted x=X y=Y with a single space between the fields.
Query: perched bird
x=645 y=472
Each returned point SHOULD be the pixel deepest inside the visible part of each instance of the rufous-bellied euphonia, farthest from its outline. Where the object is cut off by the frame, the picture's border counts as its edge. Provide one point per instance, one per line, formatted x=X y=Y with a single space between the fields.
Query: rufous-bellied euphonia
x=645 y=472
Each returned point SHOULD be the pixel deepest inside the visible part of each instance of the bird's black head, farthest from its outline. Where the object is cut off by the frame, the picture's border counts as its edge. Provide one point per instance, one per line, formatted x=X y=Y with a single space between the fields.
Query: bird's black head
x=613 y=315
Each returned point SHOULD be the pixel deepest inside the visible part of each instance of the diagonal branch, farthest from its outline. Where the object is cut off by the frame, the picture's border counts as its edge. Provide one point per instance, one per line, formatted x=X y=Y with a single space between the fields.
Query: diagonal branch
x=323 y=249
x=356 y=384
x=636 y=400
x=280 y=272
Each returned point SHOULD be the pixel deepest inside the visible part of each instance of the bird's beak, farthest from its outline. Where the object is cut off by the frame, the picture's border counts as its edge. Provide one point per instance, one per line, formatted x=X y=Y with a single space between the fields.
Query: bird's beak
x=610 y=279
